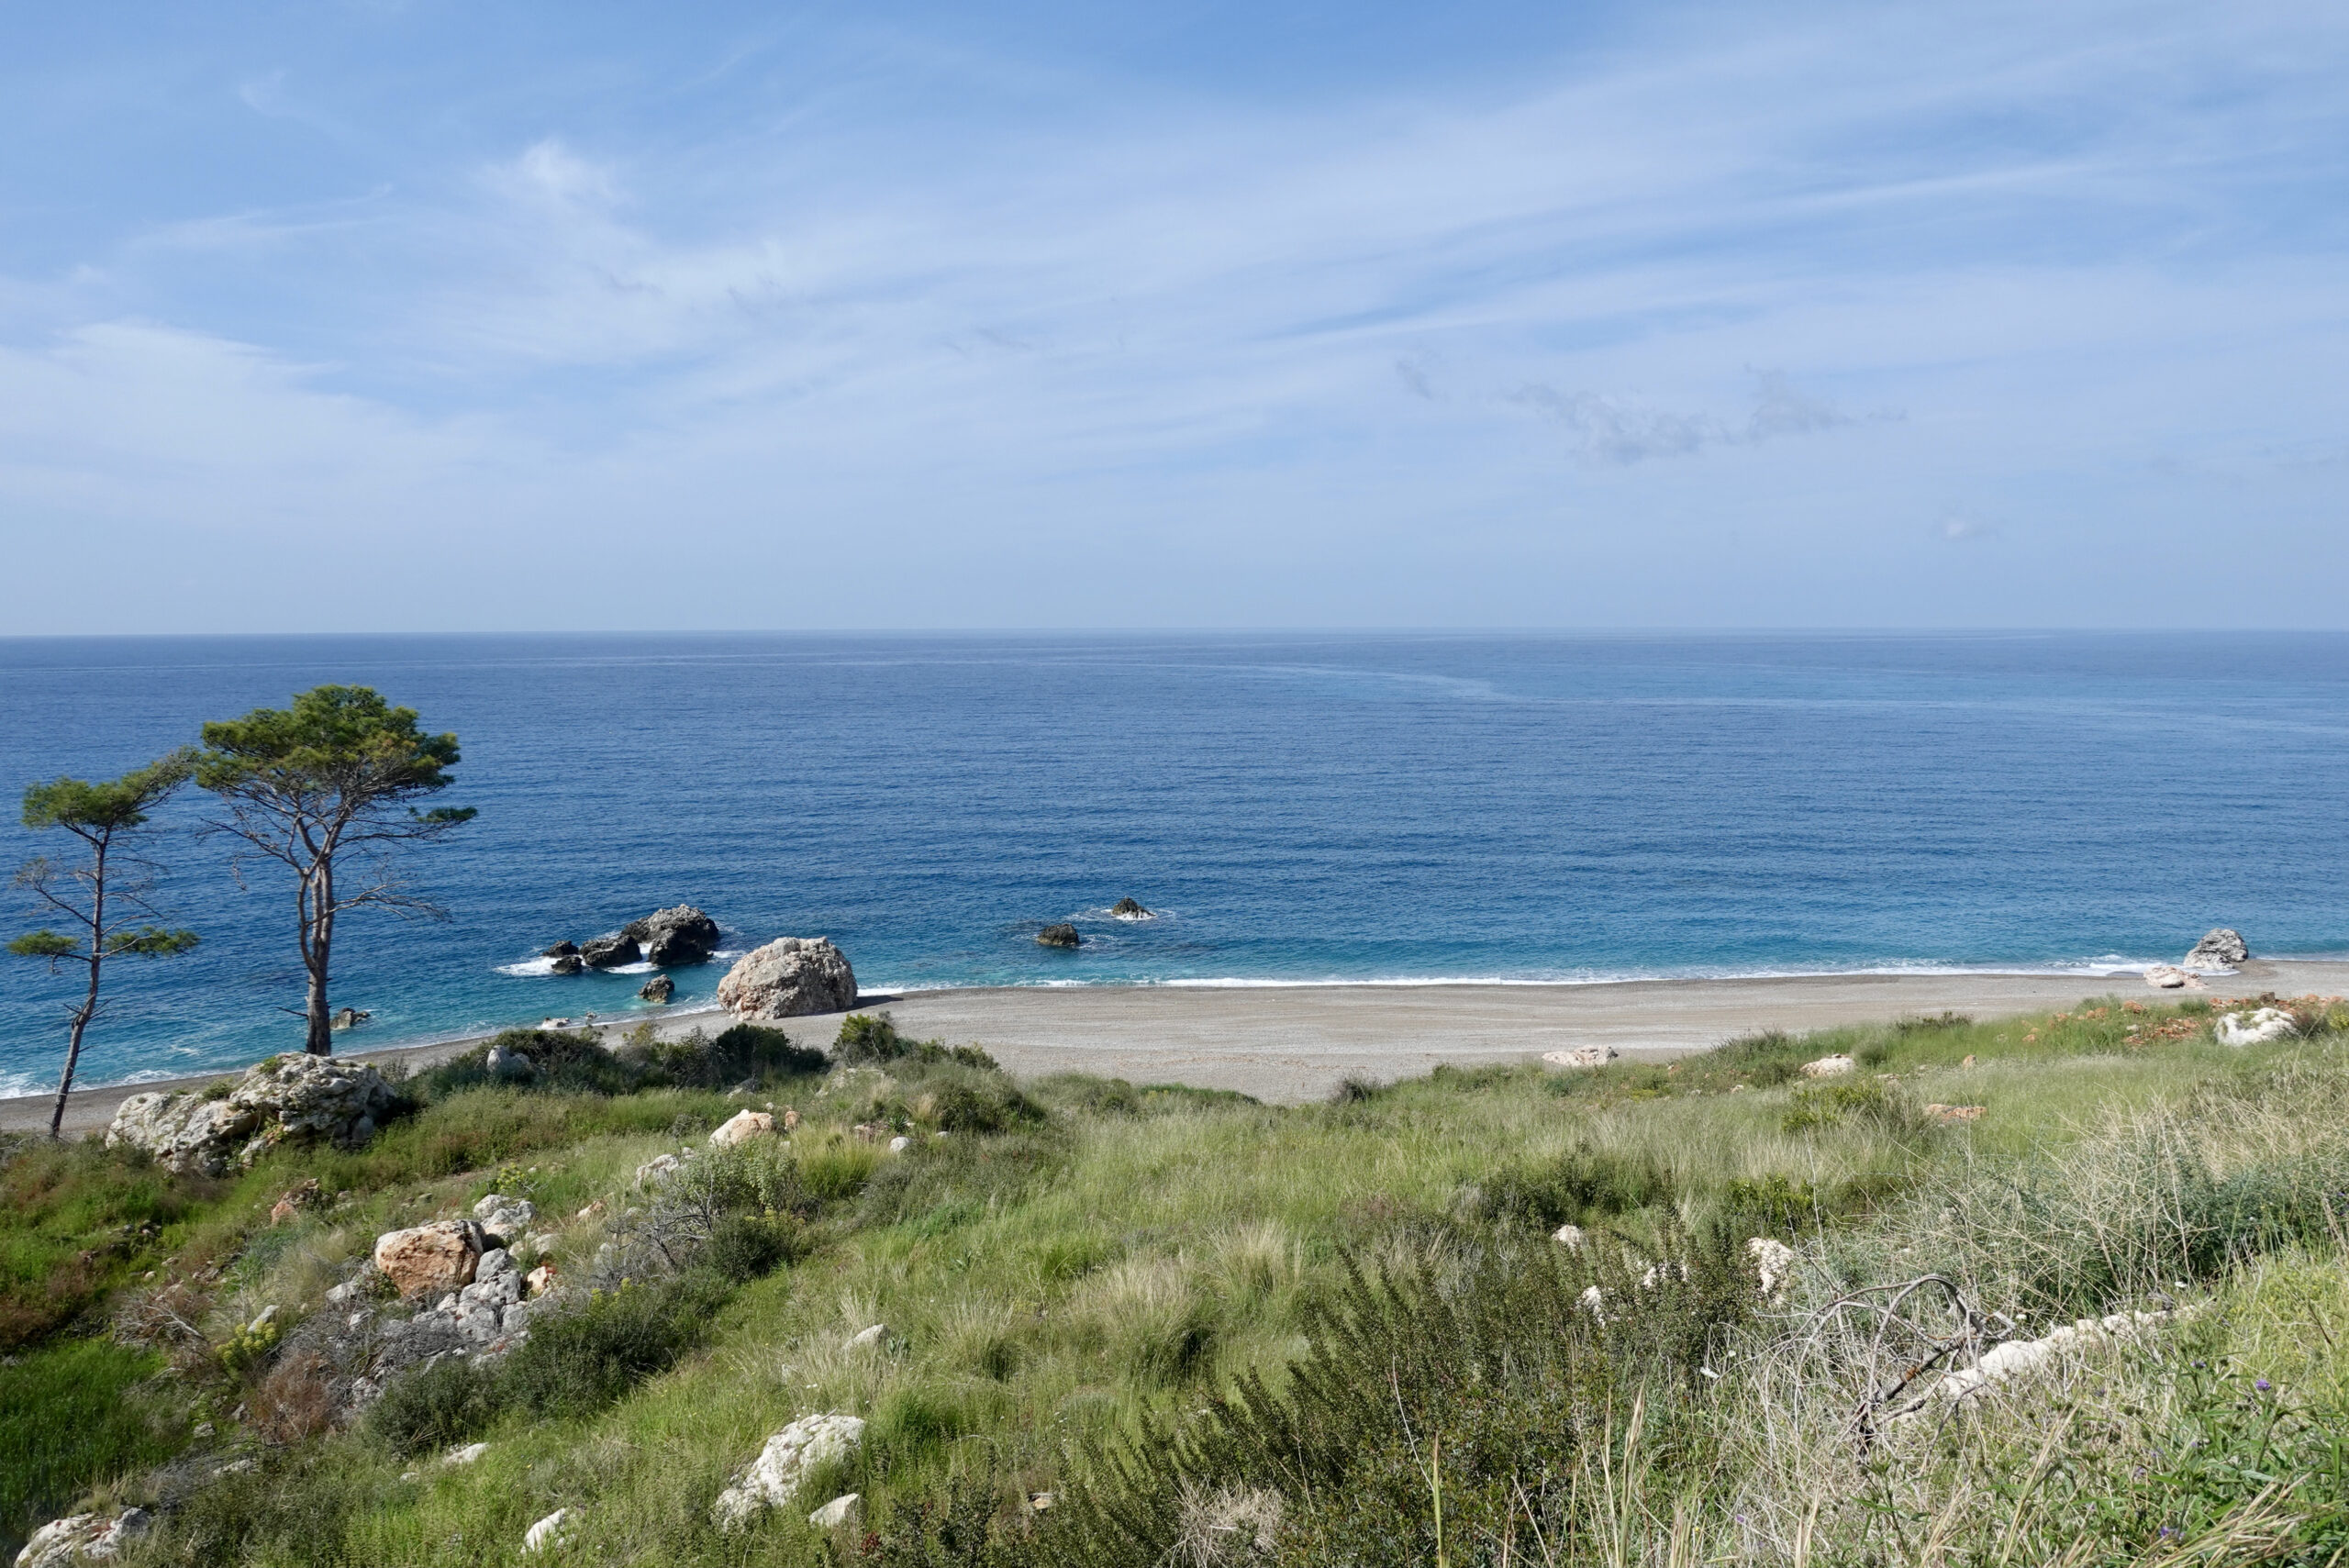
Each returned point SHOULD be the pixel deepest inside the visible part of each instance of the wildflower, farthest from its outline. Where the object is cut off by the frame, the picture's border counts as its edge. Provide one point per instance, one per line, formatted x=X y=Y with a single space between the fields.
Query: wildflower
x=2262 y=1384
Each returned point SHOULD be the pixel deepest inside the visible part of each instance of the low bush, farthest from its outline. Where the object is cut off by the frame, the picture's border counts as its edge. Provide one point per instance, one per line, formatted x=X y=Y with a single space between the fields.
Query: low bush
x=870 y=1039
x=576 y=1363
x=433 y=1407
x=1585 y=1183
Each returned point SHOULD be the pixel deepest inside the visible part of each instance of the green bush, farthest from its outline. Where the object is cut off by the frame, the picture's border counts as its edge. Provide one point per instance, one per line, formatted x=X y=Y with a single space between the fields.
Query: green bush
x=746 y=1246
x=1860 y=1102
x=870 y=1039
x=578 y=1363
x=433 y=1407
x=1585 y=1183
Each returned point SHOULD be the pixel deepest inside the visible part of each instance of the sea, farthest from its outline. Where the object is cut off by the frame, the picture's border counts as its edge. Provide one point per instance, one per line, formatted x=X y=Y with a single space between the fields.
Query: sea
x=1292 y=808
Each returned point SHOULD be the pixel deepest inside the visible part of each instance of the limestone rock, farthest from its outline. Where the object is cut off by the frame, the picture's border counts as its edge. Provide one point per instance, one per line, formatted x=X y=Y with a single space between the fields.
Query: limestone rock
x=900 y=1144
x=658 y=989
x=743 y=1127
x=659 y=1168
x=609 y=952
x=788 y=978
x=425 y=1260
x=541 y=1279
x=2169 y=977
x=1060 y=935
x=1569 y=1237
x=286 y=1097
x=682 y=935
x=2004 y=1361
x=505 y=1217
x=774 y=1478
x=2220 y=948
x=464 y=1455
x=1952 y=1115
x=83 y=1537
x=296 y=1198
x=548 y=1532
x=836 y=1513
x=1581 y=1056
x=2255 y=1028
x=864 y=1338
x=1830 y=1067
x=509 y=1067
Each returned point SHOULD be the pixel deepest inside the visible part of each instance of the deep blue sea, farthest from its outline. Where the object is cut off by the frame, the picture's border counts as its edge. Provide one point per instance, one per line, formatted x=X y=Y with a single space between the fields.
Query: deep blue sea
x=1297 y=807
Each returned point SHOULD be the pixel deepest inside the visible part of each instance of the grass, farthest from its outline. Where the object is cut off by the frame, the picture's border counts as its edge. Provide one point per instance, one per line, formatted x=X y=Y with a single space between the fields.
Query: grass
x=1111 y=1294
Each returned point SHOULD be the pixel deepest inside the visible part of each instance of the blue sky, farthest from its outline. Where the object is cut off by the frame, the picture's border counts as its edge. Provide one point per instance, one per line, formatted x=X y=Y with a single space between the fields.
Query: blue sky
x=384 y=315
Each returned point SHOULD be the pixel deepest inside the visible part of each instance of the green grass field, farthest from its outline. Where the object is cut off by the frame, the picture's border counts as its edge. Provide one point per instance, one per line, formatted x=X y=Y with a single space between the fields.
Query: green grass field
x=1213 y=1332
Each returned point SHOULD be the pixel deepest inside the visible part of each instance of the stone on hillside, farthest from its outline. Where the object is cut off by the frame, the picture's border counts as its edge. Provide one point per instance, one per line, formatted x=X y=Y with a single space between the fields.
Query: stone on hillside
x=548 y=1533
x=287 y=1097
x=869 y=1336
x=1830 y=1067
x=836 y=1513
x=609 y=952
x=570 y=963
x=788 y=978
x=464 y=1455
x=307 y=1194
x=83 y=1538
x=541 y=1279
x=2169 y=977
x=1580 y=1056
x=682 y=935
x=509 y=1067
x=505 y=1217
x=1952 y=1115
x=1131 y=909
x=741 y=1128
x=2220 y=948
x=428 y=1260
x=1059 y=935
x=659 y=1168
x=658 y=989
x=773 y=1479
x=1569 y=1237
x=2255 y=1028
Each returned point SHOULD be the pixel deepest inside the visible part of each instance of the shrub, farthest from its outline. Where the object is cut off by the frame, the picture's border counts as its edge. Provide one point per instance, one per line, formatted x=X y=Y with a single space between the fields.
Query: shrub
x=1583 y=1182
x=1863 y=1103
x=580 y=1361
x=870 y=1039
x=433 y=1406
x=746 y=1246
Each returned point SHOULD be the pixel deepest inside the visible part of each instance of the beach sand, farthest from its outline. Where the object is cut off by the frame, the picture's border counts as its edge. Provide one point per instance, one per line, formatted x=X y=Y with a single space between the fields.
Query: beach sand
x=1295 y=1043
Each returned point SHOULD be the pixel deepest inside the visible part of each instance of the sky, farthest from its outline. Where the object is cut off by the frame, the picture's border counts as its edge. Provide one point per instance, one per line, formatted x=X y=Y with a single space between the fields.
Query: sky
x=364 y=315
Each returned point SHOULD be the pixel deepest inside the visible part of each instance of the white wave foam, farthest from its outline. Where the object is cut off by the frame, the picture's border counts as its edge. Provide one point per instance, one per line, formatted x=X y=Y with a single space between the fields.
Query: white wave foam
x=544 y=965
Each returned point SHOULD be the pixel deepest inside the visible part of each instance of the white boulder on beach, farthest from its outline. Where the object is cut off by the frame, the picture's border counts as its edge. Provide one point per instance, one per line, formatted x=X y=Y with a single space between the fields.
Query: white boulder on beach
x=788 y=978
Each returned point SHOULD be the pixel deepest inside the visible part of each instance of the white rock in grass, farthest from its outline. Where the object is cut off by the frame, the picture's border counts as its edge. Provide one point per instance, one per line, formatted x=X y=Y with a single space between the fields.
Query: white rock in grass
x=899 y=1144
x=2169 y=977
x=1830 y=1067
x=1773 y=1261
x=743 y=1127
x=1569 y=1237
x=2016 y=1356
x=836 y=1513
x=83 y=1537
x=864 y=1337
x=548 y=1532
x=774 y=1477
x=2255 y=1028
x=464 y=1455
x=1581 y=1056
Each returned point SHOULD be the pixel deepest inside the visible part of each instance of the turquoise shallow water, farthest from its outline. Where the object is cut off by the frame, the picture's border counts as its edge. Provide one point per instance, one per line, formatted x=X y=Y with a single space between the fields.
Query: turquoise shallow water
x=1298 y=808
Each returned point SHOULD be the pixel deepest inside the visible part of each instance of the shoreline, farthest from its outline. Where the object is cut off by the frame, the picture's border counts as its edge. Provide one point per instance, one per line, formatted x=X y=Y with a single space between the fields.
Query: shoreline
x=1295 y=1040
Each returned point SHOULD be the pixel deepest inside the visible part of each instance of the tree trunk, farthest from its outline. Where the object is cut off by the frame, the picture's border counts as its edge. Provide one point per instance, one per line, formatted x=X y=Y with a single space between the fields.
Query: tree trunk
x=321 y=1042
x=89 y=1007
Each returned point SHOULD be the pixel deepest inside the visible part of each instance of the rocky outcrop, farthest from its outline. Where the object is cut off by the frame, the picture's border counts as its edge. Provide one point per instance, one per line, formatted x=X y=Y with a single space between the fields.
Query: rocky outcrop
x=840 y=1510
x=609 y=952
x=433 y=1259
x=660 y=988
x=2220 y=948
x=788 y=978
x=83 y=1538
x=743 y=1127
x=1830 y=1067
x=561 y=949
x=349 y=1019
x=774 y=1478
x=2255 y=1028
x=2169 y=977
x=1063 y=935
x=678 y=936
x=1580 y=1056
x=505 y=1218
x=569 y=964
x=1131 y=909
x=287 y=1097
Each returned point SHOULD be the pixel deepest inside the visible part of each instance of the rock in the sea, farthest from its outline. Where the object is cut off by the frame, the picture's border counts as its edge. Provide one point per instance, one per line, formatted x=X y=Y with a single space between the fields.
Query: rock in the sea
x=569 y=964
x=287 y=1097
x=743 y=1127
x=609 y=952
x=349 y=1019
x=1063 y=935
x=2255 y=1028
x=561 y=949
x=2220 y=948
x=774 y=1477
x=1130 y=910
x=660 y=988
x=432 y=1259
x=836 y=1513
x=83 y=1538
x=682 y=935
x=789 y=978
x=2169 y=977
x=1830 y=1067
x=1580 y=1056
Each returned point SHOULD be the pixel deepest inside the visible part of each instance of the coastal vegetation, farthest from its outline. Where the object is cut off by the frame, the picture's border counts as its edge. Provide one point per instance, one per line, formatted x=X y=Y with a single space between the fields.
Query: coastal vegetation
x=1086 y=1321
